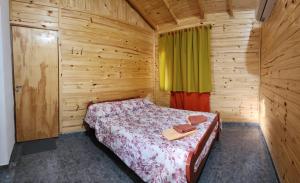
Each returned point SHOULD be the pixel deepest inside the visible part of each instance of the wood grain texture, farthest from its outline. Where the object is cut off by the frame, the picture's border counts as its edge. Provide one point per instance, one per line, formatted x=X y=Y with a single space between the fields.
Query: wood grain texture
x=235 y=47
x=40 y=14
x=143 y=14
x=159 y=12
x=201 y=8
x=219 y=6
x=101 y=59
x=280 y=88
x=154 y=11
x=118 y=10
x=44 y=13
x=105 y=51
x=36 y=83
x=229 y=7
x=166 y=3
x=187 y=8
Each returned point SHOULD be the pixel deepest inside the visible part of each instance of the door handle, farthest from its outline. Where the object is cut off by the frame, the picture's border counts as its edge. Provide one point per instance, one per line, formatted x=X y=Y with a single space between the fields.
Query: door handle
x=18 y=87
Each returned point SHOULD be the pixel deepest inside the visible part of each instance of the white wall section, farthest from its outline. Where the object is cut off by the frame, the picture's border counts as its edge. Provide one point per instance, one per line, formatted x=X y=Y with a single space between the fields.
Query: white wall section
x=7 y=126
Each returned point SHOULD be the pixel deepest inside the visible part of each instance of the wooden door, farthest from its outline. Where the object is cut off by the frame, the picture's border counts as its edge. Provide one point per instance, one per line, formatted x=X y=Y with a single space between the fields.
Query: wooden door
x=35 y=60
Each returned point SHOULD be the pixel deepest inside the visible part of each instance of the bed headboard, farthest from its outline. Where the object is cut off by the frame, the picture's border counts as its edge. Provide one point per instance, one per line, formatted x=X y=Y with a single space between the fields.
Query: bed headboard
x=111 y=100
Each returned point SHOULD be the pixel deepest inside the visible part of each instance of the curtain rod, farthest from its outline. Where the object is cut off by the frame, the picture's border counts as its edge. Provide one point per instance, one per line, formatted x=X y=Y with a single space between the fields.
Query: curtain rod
x=184 y=29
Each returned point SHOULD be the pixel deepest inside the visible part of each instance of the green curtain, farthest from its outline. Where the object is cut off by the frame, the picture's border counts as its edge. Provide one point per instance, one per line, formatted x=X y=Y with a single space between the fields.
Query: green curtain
x=184 y=60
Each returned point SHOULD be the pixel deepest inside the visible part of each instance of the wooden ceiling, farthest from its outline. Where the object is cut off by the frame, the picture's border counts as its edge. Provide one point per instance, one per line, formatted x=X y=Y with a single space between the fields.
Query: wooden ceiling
x=158 y=12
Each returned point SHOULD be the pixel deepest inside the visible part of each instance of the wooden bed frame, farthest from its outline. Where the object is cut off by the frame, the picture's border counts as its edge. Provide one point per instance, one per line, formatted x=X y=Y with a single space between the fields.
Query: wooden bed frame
x=192 y=174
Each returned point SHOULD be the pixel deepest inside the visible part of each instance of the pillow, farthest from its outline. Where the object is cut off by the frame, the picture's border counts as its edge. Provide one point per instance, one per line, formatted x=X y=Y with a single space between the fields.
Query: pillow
x=134 y=104
x=107 y=109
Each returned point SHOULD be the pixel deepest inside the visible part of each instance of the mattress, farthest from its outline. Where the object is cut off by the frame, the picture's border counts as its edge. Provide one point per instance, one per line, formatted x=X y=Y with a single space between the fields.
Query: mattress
x=132 y=129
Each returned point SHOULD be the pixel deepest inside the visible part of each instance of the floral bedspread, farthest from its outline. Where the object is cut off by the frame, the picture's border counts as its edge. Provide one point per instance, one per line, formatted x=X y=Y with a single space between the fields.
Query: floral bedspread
x=132 y=129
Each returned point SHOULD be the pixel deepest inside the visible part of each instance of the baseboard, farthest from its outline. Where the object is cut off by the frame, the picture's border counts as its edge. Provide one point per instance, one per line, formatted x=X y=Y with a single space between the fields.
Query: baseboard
x=230 y=123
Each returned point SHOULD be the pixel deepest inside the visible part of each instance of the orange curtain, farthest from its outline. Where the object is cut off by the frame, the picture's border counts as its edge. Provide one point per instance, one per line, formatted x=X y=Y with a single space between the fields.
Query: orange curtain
x=193 y=101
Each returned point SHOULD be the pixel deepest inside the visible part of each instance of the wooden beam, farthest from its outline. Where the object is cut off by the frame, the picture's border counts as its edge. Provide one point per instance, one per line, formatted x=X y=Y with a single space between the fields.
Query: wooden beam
x=229 y=7
x=201 y=8
x=134 y=5
x=170 y=11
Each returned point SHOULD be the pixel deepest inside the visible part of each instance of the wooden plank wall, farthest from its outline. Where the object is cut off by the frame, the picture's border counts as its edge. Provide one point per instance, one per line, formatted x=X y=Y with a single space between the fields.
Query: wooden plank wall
x=235 y=64
x=280 y=88
x=101 y=59
x=106 y=51
x=39 y=14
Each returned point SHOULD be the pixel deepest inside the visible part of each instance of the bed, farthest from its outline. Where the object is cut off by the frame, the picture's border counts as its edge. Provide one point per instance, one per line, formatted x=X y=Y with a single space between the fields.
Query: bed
x=132 y=129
